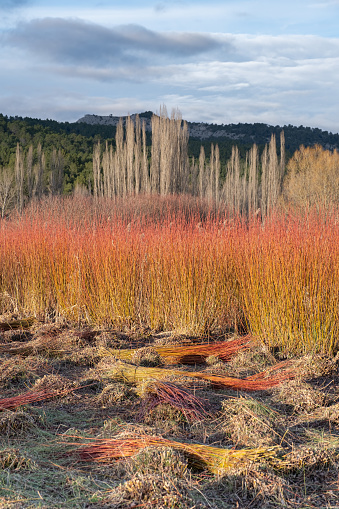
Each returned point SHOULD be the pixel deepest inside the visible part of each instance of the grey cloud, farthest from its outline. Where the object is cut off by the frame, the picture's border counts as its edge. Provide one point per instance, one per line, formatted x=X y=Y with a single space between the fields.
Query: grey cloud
x=75 y=41
x=11 y=4
x=160 y=7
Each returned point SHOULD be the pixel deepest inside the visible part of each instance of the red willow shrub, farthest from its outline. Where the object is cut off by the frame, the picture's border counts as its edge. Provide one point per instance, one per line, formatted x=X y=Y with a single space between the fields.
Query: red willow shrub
x=175 y=266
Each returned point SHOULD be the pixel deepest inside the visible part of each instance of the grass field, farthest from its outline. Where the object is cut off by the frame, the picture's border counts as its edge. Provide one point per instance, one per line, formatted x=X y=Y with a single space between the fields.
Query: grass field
x=98 y=408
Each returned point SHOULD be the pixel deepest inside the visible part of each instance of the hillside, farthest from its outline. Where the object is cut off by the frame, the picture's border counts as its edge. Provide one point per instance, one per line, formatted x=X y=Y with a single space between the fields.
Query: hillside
x=258 y=133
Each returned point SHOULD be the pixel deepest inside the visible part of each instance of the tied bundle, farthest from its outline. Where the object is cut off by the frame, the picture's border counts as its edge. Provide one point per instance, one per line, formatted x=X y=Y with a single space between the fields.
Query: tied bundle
x=261 y=381
x=202 y=457
x=31 y=397
x=192 y=354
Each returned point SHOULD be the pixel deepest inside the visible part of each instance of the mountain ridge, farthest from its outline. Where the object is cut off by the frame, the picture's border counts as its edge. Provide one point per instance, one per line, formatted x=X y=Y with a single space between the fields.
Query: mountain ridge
x=242 y=132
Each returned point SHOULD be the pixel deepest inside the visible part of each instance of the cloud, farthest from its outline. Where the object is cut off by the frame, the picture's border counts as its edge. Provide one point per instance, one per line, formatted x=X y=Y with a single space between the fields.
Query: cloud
x=79 y=42
x=160 y=7
x=325 y=3
x=12 y=4
x=65 y=68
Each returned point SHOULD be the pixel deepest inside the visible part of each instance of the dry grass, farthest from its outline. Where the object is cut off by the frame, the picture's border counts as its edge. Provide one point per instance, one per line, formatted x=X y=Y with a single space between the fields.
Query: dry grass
x=20 y=422
x=147 y=356
x=151 y=491
x=56 y=383
x=25 y=323
x=13 y=460
x=22 y=371
x=300 y=397
x=116 y=393
x=50 y=344
x=250 y=423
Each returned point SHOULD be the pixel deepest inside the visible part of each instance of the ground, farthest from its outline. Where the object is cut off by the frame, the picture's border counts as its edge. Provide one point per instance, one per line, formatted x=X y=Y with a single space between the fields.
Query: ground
x=40 y=466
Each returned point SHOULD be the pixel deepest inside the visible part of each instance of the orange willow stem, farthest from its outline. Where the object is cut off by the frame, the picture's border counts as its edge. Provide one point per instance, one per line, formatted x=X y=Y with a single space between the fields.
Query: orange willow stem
x=173 y=268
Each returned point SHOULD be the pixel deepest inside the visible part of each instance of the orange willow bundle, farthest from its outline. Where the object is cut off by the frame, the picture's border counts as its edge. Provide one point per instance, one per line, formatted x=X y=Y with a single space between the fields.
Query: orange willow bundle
x=260 y=382
x=193 y=354
x=30 y=397
x=155 y=393
x=202 y=456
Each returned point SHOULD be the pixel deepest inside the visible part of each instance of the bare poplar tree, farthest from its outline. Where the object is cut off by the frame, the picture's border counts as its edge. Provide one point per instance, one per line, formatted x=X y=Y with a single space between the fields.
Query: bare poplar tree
x=253 y=158
x=155 y=154
x=29 y=173
x=282 y=157
x=107 y=184
x=272 y=173
x=211 y=176
x=60 y=172
x=120 y=167
x=217 y=172
x=7 y=190
x=19 y=177
x=137 y=156
x=129 y=148
x=146 y=185
x=39 y=171
x=202 y=177
x=97 y=181
x=264 y=182
x=169 y=162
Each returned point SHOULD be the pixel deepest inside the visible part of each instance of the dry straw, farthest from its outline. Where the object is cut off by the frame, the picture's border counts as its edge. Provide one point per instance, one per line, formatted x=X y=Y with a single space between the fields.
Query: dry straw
x=17 y=324
x=49 y=344
x=214 y=459
x=259 y=382
x=193 y=354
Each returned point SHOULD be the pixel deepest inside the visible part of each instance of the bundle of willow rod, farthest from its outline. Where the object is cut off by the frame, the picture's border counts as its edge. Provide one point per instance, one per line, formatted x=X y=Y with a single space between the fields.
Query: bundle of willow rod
x=17 y=324
x=193 y=354
x=155 y=393
x=137 y=374
x=202 y=456
x=30 y=397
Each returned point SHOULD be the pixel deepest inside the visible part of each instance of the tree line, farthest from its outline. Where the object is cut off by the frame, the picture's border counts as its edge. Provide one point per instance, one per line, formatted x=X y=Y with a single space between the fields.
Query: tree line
x=249 y=181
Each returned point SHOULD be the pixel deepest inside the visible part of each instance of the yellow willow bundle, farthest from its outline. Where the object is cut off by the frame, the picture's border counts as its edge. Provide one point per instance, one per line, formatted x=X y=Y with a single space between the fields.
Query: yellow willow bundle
x=17 y=324
x=193 y=354
x=137 y=374
x=214 y=459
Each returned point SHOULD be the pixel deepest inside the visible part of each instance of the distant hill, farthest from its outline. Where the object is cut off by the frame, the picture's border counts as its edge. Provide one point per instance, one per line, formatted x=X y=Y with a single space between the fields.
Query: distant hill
x=242 y=134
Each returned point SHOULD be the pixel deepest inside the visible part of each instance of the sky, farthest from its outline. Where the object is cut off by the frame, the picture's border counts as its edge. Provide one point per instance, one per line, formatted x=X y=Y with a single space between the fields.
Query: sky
x=220 y=61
